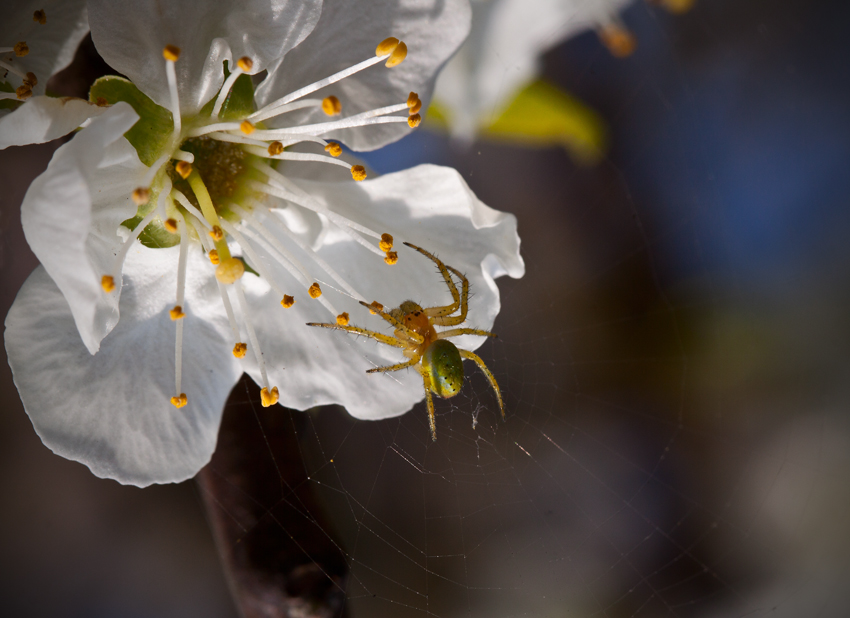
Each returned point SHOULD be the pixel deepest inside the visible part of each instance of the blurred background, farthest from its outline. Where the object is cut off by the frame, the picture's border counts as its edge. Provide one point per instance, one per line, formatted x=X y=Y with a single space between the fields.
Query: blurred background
x=674 y=364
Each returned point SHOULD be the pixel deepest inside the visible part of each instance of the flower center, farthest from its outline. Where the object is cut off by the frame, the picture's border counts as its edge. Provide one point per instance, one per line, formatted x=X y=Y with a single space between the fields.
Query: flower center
x=216 y=183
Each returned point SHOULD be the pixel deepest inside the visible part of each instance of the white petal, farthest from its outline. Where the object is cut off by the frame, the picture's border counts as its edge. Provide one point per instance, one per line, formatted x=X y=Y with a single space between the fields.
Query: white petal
x=130 y=35
x=53 y=44
x=71 y=214
x=503 y=52
x=347 y=34
x=111 y=411
x=429 y=206
x=42 y=119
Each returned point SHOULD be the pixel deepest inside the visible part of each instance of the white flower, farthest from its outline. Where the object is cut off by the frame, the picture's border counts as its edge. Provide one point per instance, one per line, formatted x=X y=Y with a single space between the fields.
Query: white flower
x=504 y=49
x=36 y=42
x=97 y=387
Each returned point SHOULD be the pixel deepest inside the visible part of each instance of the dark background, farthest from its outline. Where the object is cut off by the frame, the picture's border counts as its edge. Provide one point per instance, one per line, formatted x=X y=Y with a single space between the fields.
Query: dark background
x=674 y=364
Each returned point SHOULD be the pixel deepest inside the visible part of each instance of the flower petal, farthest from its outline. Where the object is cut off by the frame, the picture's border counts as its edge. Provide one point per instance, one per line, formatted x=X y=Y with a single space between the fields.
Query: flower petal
x=429 y=206
x=52 y=44
x=503 y=53
x=131 y=35
x=111 y=411
x=72 y=212
x=42 y=119
x=348 y=33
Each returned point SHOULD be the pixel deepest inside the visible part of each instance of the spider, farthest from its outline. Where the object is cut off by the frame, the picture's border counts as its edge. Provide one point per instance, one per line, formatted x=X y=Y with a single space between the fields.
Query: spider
x=438 y=360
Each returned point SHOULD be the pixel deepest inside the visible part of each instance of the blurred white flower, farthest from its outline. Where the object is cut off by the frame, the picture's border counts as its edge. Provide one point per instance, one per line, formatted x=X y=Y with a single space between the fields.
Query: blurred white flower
x=181 y=160
x=503 y=52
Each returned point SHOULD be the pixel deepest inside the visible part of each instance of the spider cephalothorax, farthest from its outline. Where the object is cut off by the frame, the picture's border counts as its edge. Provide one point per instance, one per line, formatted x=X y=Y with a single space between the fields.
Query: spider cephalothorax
x=438 y=360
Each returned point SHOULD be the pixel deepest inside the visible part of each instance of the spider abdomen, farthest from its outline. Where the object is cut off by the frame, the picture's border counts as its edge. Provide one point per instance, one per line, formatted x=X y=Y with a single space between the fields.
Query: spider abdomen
x=444 y=367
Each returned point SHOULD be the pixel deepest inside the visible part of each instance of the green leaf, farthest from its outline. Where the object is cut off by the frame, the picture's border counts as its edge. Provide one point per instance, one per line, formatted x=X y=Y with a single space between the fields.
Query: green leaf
x=543 y=115
x=151 y=133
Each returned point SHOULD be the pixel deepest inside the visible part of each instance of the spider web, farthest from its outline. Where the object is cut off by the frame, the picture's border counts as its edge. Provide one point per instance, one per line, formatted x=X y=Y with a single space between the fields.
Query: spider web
x=673 y=365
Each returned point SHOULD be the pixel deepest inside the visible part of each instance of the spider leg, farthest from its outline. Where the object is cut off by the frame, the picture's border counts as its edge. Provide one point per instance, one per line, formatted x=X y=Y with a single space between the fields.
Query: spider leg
x=412 y=335
x=444 y=270
x=477 y=360
x=439 y=319
x=430 y=401
x=362 y=331
x=395 y=367
x=454 y=332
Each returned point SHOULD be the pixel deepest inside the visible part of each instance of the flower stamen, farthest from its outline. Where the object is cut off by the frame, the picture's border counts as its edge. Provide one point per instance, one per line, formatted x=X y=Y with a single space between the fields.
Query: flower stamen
x=331 y=106
x=171 y=53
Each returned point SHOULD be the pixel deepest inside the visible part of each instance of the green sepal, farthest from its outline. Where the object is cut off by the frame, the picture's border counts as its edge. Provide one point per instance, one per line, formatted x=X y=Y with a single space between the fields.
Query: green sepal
x=240 y=101
x=154 y=236
x=248 y=269
x=543 y=115
x=151 y=134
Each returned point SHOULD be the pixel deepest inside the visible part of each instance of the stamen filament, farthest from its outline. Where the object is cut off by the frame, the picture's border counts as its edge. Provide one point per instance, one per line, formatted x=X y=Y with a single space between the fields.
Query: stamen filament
x=207 y=243
x=360 y=120
x=269 y=239
x=13 y=69
x=163 y=194
x=211 y=128
x=182 y=155
x=296 y=156
x=252 y=336
x=175 y=98
x=189 y=207
x=155 y=168
x=287 y=107
x=122 y=252
x=181 y=289
x=238 y=138
x=225 y=89
x=263 y=114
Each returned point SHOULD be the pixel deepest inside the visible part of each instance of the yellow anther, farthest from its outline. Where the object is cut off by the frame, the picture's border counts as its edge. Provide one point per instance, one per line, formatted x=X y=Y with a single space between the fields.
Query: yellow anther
x=240 y=349
x=331 y=106
x=171 y=52
x=23 y=92
x=412 y=98
x=245 y=64
x=358 y=172
x=678 y=6
x=101 y=102
x=176 y=313
x=230 y=270
x=342 y=319
x=387 y=46
x=107 y=282
x=21 y=49
x=40 y=17
x=287 y=301
x=414 y=120
x=141 y=195
x=184 y=168
x=315 y=291
x=216 y=233
x=180 y=400
x=269 y=398
x=392 y=258
x=171 y=225
x=414 y=109
x=31 y=80
x=386 y=242
x=377 y=307
x=398 y=56
x=246 y=127
x=275 y=148
x=213 y=255
x=333 y=149
x=619 y=41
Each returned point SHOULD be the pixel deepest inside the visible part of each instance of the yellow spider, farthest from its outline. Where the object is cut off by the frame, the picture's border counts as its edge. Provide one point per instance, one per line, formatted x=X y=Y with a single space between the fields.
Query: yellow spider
x=437 y=359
